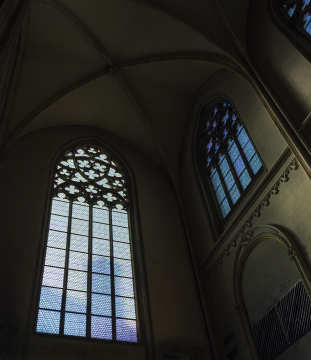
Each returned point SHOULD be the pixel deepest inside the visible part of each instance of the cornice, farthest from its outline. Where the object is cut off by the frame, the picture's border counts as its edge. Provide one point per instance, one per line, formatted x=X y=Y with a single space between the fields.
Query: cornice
x=242 y=238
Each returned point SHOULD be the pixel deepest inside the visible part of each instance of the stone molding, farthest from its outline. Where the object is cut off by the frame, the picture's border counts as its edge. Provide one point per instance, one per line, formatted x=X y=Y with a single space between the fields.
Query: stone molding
x=245 y=239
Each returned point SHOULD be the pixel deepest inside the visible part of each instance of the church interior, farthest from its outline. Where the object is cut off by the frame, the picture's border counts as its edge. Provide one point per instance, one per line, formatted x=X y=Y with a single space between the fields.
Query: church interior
x=143 y=81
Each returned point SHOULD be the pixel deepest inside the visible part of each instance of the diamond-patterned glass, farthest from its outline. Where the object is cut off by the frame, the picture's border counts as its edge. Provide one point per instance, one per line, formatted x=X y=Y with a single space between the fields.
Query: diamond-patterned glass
x=101 y=327
x=100 y=231
x=80 y=211
x=249 y=151
x=78 y=261
x=225 y=208
x=76 y=301
x=50 y=298
x=124 y=287
x=101 y=264
x=55 y=257
x=121 y=234
x=123 y=268
x=100 y=215
x=101 y=284
x=220 y=194
x=255 y=164
x=60 y=207
x=101 y=247
x=119 y=218
x=126 y=330
x=234 y=194
x=53 y=277
x=121 y=250
x=75 y=324
x=245 y=179
x=125 y=308
x=57 y=239
x=101 y=305
x=239 y=166
x=215 y=180
x=79 y=243
x=79 y=227
x=77 y=280
x=48 y=321
x=59 y=223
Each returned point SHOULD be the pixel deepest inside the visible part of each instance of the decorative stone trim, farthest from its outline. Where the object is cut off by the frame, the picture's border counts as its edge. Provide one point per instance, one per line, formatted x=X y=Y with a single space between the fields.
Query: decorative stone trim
x=294 y=165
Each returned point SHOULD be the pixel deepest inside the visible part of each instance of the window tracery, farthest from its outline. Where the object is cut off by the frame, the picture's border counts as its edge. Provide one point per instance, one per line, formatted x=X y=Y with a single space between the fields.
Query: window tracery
x=229 y=160
x=87 y=287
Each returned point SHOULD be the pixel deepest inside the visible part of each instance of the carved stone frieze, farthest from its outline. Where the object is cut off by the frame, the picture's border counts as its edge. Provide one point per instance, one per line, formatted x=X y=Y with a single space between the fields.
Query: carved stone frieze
x=244 y=240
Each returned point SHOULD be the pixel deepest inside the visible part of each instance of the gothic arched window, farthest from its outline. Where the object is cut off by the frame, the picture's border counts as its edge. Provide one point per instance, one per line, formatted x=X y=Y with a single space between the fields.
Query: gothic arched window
x=87 y=286
x=228 y=160
x=297 y=13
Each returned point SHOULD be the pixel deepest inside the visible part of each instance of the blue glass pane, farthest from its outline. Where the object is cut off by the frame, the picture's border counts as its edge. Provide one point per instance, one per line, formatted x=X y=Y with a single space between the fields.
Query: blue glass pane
x=48 y=322
x=57 y=239
x=229 y=180
x=307 y=23
x=234 y=194
x=249 y=151
x=55 y=257
x=80 y=227
x=76 y=301
x=77 y=280
x=121 y=234
x=53 y=277
x=124 y=287
x=243 y=138
x=101 y=305
x=75 y=324
x=255 y=164
x=119 y=218
x=121 y=250
x=50 y=298
x=123 y=268
x=239 y=127
x=291 y=11
x=245 y=179
x=220 y=194
x=101 y=264
x=60 y=207
x=220 y=158
x=101 y=328
x=233 y=152
x=80 y=211
x=125 y=308
x=100 y=215
x=305 y=3
x=239 y=166
x=126 y=330
x=101 y=284
x=225 y=208
x=59 y=223
x=224 y=167
x=100 y=231
x=215 y=180
x=101 y=247
x=79 y=243
x=78 y=261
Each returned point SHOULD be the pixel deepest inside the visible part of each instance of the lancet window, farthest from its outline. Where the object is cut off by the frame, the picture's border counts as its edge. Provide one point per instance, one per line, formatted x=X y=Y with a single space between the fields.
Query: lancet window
x=87 y=288
x=297 y=13
x=228 y=160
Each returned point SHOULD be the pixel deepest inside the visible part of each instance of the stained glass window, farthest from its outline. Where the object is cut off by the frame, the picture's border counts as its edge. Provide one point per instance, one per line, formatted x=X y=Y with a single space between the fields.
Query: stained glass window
x=88 y=287
x=297 y=13
x=229 y=159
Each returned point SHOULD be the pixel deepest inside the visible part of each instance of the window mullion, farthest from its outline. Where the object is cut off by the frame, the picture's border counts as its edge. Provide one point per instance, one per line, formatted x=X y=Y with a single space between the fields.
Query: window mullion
x=62 y=318
x=89 y=274
x=113 y=300
x=234 y=174
x=250 y=172
x=224 y=185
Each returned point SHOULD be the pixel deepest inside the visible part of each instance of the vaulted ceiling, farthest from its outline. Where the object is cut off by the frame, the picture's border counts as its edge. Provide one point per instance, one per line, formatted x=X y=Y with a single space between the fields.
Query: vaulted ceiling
x=129 y=68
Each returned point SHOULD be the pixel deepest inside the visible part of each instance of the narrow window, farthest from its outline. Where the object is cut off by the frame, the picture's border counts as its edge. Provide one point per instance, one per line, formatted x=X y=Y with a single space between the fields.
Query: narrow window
x=87 y=287
x=297 y=14
x=228 y=159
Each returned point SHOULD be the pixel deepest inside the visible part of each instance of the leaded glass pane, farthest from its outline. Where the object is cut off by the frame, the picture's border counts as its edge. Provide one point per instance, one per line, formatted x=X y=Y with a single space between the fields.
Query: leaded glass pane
x=101 y=305
x=101 y=247
x=78 y=261
x=119 y=218
x=77 y=280
x=121 y=250
x=100 y=215
x=239 y=166
x=225 y=208
x=80 y=211
x=101 y=284
x=101 y=264
x=125 y=308
x=50 y=298
x=255 y=164
x=100 y=231
x=76 y=301
x=75 y=324
x=60 y=207
x=53 y=277
x=55 y=257
x=215 y=180
x=249 y=151
x=124 y=287
x=79 y=227
x=121 y=234
x=79 y=243
x=123 y=268
x=234 y=194
x=48 y=322
x=59 y=223
x=126 y=330
x=57 y=239
x=101 y=328
x=243 y=138
x=245 y=179
x=233 y=151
